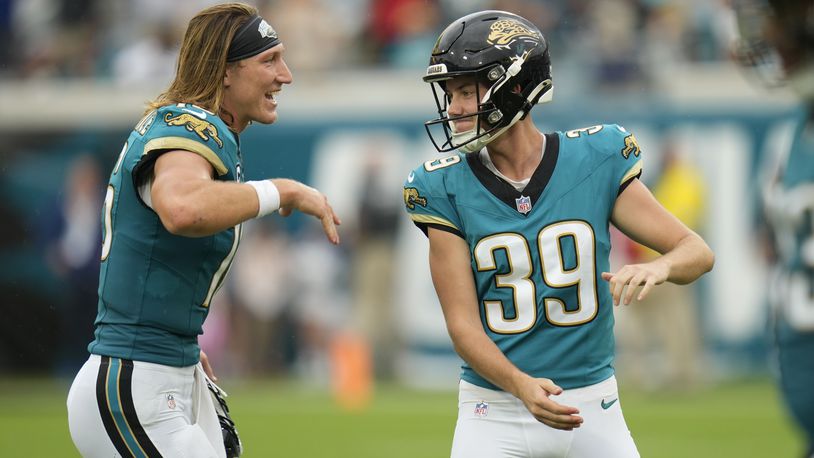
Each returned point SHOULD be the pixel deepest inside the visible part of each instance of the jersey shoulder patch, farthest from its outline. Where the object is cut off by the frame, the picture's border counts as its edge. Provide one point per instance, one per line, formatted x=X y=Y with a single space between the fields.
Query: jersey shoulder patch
x=426 y=197
x=198 y=123
x=607 y=139
x=608 y=148
x=188 y=127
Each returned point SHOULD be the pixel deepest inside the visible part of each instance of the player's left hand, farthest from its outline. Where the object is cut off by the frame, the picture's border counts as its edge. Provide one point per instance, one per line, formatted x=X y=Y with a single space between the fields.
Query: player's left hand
x=632 y=277
x=207 y=367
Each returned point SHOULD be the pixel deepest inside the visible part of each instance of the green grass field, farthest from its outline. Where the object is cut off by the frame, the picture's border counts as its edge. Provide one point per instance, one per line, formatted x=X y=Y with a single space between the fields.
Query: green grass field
x=282 y=419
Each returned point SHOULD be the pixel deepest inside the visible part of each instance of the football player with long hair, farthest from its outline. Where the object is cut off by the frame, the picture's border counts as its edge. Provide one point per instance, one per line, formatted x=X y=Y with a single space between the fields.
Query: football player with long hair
x=518 y=227
x=172 y=219
x=777 y=40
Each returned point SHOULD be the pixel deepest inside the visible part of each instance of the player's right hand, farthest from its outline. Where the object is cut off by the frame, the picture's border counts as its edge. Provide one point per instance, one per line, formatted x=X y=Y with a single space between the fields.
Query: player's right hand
x=297 y=196
x=535 y=394
x=207 y=367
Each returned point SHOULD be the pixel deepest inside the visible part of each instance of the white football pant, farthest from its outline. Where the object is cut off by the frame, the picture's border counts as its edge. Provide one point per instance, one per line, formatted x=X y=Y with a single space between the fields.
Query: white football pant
x=495 y=424
x=123 y=408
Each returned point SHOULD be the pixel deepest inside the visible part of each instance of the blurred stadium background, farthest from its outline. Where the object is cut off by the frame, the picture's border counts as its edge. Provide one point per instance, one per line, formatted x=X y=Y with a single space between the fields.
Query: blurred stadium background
x=343 y=352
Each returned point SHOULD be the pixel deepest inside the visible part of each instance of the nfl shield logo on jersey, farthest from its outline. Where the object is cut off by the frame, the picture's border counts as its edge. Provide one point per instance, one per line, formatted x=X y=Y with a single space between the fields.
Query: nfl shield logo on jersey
x=481 y=409
x=523 y=204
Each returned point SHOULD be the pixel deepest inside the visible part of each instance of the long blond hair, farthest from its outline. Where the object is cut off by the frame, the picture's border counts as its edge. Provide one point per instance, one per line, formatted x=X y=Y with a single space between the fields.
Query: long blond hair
x=202 y=59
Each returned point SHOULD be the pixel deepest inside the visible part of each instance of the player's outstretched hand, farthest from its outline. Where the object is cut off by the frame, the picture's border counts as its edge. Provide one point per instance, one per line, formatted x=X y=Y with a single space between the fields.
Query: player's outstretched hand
x=635 y=276
x=297 y=196
x=535 y=394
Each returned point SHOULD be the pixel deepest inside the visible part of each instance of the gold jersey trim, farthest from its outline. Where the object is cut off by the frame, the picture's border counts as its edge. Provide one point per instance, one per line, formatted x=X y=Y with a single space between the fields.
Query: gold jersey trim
x=632 y=172
x=173 y=143
x=427 y=219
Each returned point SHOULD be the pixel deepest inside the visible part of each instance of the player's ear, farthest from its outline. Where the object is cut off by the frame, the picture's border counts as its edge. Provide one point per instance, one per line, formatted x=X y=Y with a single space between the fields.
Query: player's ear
x=230 y=70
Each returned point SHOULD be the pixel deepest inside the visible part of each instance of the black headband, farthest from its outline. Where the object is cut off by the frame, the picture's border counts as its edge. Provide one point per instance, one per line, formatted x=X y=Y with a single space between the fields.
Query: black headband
x=251 y=39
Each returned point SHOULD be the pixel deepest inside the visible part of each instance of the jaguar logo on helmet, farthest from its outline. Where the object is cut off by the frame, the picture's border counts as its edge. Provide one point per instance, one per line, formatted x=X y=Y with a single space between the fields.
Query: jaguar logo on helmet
x=505 y=31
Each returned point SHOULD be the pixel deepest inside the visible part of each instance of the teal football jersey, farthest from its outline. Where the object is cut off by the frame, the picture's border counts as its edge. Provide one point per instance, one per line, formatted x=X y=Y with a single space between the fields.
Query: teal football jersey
x=789 y=201
x=155 y=288
x=789 y=204
x=537 y=255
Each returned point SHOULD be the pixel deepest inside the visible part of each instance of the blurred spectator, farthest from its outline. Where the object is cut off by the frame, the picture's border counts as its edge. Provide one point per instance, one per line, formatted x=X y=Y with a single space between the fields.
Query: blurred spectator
x=404 y=30
x=372 y=264
x=35 y=29
x=614 y=27
x=151 y=60
x=73 y=247
x=58 y=37
x=545 y=15
x=709 y=37
x=456 y=8
x=262 y=336
x=90 y=38
x=5 y=36
x=660 y=338
x=315 y=38
x=322 y=303
x=359 y=167
x=664 y=31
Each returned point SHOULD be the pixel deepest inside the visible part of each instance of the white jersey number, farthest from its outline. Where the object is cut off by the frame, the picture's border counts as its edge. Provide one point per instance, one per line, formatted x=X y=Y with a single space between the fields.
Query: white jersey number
x=107 y=241
x=555 y=275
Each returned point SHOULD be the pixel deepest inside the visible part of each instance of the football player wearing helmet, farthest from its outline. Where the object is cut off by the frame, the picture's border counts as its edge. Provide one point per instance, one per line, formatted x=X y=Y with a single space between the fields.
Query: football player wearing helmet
x=172 y=219
x=777 y=38
x=501 y=54
x=518 y=228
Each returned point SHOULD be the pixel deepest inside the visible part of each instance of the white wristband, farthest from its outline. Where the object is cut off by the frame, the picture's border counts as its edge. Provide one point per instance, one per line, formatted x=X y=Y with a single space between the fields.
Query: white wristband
x=267 y=195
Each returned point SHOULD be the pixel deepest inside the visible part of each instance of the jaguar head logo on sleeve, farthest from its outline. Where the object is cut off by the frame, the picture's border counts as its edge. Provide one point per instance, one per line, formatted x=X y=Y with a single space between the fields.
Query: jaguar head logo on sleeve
x=203 y=128
x=631 y=146
x=412 y=197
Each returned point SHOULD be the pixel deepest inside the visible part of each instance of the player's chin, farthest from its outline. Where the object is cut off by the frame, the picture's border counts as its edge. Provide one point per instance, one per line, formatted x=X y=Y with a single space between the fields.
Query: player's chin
x=267 y=117
x=463 y=127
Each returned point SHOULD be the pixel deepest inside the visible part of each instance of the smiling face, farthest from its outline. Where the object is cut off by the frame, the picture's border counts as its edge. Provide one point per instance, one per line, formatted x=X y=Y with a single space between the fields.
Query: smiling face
x=250 y=86
x=462 y=95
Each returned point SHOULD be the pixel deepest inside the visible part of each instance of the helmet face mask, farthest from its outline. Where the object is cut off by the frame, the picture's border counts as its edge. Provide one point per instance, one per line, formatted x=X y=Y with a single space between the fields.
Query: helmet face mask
x=452 y=139
x=505 y=53
x=752 y=49
x=776 y=39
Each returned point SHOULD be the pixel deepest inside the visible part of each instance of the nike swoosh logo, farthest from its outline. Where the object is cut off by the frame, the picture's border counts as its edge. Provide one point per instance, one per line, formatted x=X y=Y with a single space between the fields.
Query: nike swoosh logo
x=606 y=405
x=199 y=114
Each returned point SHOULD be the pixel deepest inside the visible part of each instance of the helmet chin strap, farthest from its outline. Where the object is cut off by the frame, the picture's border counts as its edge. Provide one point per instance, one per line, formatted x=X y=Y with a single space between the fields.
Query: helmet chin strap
x=463 y=137
x=476 y=145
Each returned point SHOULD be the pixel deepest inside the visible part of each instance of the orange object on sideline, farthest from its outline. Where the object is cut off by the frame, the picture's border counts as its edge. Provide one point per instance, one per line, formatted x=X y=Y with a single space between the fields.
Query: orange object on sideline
x=351 y=371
